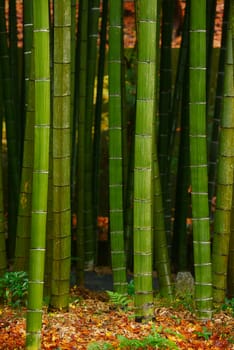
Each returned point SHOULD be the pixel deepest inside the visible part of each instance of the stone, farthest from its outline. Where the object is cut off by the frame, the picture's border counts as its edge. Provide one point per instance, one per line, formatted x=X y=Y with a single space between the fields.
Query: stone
x=184 y=283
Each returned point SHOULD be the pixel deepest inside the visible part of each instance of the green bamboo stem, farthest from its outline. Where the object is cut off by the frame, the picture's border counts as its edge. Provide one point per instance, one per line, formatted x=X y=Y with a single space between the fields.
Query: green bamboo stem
x=89 y=220
x=211 y=14
x=143 y=175
x=165 y=89
x=174 y=138
x=179 y=155
x=128 y=211
x=73 y=55
x=198 y=160
x=128 y=132
x=27 y=47
x=180 y=239
x=165 y=93
x=162 y=261
x=128 y=121
x=160 y=241
x=61 y=211
x=81 y=112
x=40 y=174
x=115 y=148
x=128 y=154
x=49 y=265
x=232 y=23
x=230 y=276
x=213 y=151
x=75 y=48
x=25 y=197
x=15 y=69
x=49 y=228
x=224 y=191
x=98 y=108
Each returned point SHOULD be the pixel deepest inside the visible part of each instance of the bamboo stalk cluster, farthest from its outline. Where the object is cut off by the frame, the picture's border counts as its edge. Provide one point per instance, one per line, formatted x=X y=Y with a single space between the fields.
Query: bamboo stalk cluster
x=154 y=156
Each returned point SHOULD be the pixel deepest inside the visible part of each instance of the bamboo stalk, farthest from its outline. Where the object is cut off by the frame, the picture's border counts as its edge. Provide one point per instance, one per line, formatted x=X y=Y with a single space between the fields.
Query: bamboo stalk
x=214 y=144
x=25 y=198
x=143 y=174
x=40 y=174
x=224 y=191
x=61 y=211
x=81 y=112
x=198 y=160
x=89 y=219
x=165 y=122
x=115 y=148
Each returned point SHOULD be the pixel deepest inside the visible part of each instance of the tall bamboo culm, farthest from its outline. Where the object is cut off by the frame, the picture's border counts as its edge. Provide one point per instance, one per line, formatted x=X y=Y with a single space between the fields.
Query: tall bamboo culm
x=61 y=243
x=80 y=110
x=89 y=219
x=25 y=196
x=40 y=174
x=198 y=160
x=224 y=187
x=165 y=123
x=230 y=276
x=231 y=244
x=115 y=148
x=160 y=241
x=143 y=188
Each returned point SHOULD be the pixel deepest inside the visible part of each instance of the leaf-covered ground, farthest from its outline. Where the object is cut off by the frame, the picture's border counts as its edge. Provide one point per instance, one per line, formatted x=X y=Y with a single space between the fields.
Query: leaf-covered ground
x=92 y=322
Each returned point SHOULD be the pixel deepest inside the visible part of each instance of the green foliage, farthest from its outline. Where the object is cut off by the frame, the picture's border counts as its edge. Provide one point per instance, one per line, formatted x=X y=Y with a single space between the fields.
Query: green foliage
x=231 y=339
x=171 y=331
x=14 y=288
x=131 y=288
x=229 y=306
x=205 y=333
x=185 y=301
x=155 y=340
x=100 y=346
x=119 y=300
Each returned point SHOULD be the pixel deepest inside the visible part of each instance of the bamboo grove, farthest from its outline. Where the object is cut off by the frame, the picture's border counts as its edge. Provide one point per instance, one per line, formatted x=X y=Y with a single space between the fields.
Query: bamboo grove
x=141 y=136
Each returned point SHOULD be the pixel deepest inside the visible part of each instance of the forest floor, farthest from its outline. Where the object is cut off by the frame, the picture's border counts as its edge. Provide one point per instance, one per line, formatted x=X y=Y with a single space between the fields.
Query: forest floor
x=93 y=322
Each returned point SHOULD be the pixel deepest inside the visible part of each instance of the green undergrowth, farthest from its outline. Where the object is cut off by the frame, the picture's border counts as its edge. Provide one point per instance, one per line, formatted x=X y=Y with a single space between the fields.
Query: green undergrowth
x=205 y=333
x=14 y=288
x=154 y=340
x=179 y=302
x=185 y=301
x=228 y=306
x=119 y=300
